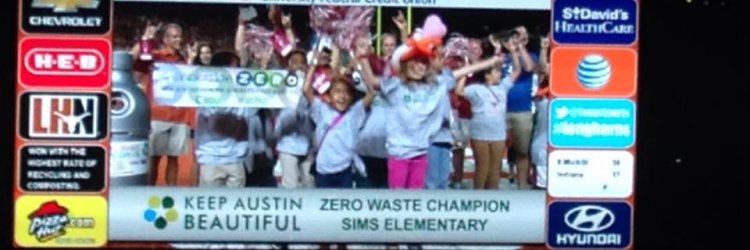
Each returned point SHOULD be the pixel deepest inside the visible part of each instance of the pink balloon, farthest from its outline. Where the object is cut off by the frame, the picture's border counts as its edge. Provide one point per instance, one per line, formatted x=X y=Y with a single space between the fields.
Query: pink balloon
x=434 y=27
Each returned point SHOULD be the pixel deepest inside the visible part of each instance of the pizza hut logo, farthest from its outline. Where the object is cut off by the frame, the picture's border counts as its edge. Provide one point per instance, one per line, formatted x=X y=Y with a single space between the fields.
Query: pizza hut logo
x=50 y=220
x=69 y=62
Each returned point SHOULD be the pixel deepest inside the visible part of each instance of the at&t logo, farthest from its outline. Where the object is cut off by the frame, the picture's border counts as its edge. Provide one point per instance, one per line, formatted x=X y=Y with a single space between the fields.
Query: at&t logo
x=594 y=71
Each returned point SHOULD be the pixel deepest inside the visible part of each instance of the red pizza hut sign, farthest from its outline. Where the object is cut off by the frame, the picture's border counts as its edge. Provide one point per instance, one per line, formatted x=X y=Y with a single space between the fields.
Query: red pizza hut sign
x=55 y=62
x=48 y=221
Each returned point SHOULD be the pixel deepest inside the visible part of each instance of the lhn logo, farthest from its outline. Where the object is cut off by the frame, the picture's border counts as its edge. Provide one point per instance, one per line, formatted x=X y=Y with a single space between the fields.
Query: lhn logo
x=64 y=116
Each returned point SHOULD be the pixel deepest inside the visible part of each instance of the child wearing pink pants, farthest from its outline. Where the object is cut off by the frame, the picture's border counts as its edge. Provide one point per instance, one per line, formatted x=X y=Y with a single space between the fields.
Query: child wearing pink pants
x=418 y=98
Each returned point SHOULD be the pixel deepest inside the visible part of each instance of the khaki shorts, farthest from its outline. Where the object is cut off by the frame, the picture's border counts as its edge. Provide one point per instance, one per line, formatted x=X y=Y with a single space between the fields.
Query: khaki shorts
x=168 y=138
x=222 y=175
x=521 y=125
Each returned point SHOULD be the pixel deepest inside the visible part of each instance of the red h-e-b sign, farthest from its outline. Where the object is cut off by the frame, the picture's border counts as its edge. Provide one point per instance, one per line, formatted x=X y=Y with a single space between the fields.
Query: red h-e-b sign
x=60 y=62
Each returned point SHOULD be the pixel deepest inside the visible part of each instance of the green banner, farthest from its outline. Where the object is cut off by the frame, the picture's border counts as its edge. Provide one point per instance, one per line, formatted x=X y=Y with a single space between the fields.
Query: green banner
x=199 y=86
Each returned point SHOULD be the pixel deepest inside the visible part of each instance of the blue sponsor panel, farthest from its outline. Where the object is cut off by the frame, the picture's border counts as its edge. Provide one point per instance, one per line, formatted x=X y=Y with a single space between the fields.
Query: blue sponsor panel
x=589 y=224
x=595 y=21
x=592 y=123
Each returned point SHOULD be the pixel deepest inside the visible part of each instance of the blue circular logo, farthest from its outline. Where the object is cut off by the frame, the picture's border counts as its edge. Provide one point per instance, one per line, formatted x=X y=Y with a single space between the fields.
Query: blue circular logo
x=594 y=71
x=212 y=86
x=172 y=83
x=244 y=78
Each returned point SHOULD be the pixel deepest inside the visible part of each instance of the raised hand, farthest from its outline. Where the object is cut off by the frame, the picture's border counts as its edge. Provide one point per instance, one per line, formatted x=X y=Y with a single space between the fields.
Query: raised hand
x=286 y=21
x=495 y=43
x=151 y=29
x=246 y=14
x=362 y=47
x=193 y=51
x=544 y=42
x=400 y=20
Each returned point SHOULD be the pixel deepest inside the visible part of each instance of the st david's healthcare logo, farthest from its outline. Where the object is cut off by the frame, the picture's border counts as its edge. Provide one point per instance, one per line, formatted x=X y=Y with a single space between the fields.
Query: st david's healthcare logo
x=589 y=224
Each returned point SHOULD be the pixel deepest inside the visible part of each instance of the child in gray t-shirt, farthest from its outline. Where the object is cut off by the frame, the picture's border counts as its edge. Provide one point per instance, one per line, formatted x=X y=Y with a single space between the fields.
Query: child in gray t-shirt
x=416 y=113
x=338 y=122
x=487 y=127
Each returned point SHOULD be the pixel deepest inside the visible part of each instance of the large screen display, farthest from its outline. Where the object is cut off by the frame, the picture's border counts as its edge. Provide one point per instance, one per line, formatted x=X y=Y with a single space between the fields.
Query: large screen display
x=361 y=124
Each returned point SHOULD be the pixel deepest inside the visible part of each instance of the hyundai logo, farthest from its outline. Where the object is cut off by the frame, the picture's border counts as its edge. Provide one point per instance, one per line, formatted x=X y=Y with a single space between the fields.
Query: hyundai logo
x=589 y=218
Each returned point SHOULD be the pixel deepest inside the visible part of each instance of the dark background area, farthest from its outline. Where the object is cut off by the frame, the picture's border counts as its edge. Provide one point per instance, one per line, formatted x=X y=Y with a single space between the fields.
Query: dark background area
x=690 y=164
x=689 y=147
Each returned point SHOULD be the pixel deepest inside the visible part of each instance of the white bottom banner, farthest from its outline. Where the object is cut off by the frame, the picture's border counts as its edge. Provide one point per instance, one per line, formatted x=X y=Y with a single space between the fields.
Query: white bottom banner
x=326 y=215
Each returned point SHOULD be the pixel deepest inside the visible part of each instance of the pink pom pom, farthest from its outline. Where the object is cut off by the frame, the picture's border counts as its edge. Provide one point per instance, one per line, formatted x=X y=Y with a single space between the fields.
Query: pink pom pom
x=457 y=46
x=323 y=18
x=258 y=39
x=321 y=79
x=343 y=23
x=356 y=23
x=281 y=42
x=434 y=27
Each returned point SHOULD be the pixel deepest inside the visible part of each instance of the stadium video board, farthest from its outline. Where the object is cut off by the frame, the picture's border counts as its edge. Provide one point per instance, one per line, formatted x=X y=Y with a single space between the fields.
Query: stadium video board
x=370 y=123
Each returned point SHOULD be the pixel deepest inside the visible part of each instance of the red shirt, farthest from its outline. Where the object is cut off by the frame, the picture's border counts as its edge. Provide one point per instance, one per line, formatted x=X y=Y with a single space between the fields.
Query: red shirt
x=462 y=104
x=163 y=112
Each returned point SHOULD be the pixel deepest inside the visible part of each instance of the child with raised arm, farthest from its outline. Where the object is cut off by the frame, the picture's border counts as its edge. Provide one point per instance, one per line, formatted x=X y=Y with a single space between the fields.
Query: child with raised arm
x=417 y=111
x=541 y=118
x=371 y=141
x=338 y=122
x=293 y=127
x=222 y=137
x=487 y=127
x=439 y=152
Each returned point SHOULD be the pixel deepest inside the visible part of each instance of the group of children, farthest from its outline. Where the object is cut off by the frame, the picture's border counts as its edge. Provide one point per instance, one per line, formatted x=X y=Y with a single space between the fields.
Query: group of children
x=374 y=122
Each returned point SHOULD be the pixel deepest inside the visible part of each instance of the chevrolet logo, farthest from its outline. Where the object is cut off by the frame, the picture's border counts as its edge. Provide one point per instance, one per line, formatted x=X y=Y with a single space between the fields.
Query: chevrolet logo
x=65 y=6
